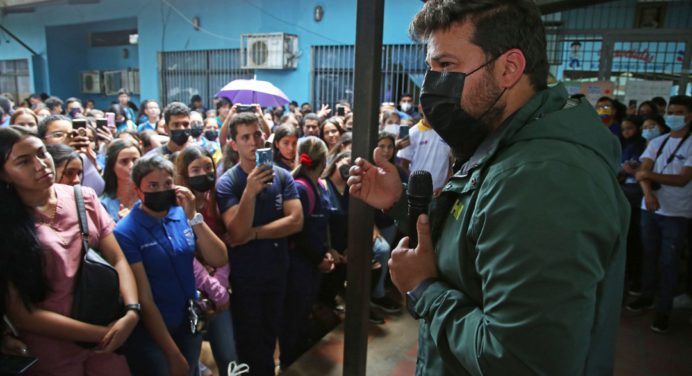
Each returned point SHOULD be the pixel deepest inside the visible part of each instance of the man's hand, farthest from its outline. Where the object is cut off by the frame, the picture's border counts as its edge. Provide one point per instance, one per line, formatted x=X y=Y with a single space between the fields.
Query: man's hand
x=327 y=264
x=337 y=257
x=642 y=175
x=258 y=179
x=410 y=267
x=324 y=111
x=651 y=202
x=377 y=185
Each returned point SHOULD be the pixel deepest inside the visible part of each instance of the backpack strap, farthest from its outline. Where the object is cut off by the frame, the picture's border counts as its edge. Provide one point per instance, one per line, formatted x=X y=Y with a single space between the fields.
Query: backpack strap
x=311 y=193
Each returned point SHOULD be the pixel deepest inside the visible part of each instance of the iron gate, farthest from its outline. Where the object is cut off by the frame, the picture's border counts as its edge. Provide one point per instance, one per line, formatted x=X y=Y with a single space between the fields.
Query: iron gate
x=186 y=73
x=403 y=68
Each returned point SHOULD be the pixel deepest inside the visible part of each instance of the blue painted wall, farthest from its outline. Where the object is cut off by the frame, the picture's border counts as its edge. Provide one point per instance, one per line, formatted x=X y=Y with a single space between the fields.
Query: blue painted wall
x=163 y=28
x=69 y=54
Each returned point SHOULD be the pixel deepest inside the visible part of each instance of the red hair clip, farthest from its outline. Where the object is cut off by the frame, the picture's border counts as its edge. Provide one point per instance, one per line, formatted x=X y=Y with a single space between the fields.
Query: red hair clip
x=305 y=160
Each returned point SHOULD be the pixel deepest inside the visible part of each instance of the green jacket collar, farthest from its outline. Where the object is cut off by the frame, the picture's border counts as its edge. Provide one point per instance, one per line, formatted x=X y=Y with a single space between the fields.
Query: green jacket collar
x=543 y=102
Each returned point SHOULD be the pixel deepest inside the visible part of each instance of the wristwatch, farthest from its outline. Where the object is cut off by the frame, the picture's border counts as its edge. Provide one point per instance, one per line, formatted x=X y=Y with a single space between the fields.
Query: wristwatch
x=134 y=307
x=413 y=296
x=196 y=219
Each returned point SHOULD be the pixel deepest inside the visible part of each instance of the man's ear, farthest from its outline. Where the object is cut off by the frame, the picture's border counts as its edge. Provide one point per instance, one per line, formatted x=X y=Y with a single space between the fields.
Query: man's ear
x=234 y=145
x=511 y=67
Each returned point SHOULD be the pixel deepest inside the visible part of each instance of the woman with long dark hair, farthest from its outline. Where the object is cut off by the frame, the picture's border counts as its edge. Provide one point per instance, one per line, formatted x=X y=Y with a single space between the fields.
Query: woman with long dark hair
x=68 y=164
x=195 y=170
x=284 y=146
x=42 y=243
x=309 y=254
x=119 y=195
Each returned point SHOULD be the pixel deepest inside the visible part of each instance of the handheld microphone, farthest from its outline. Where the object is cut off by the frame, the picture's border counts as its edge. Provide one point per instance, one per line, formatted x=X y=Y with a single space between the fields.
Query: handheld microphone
x=419 y=193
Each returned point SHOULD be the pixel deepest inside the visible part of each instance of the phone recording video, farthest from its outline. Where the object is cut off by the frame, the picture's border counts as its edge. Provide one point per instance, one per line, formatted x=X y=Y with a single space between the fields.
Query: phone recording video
x=79 y=123
x=245 y=108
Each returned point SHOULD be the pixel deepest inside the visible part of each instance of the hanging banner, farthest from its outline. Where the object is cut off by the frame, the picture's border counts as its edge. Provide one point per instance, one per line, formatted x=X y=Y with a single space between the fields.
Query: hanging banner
x=642 y=90
x=594 y=90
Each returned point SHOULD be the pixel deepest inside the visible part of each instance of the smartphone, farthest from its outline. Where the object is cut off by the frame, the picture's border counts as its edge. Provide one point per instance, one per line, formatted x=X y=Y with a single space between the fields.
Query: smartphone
x=110 y=119
x=340 y=111
x=245 y=108
x=16 y=365
x=403 y=131
x=264 y=156
x=79 y=123
x=101 y=123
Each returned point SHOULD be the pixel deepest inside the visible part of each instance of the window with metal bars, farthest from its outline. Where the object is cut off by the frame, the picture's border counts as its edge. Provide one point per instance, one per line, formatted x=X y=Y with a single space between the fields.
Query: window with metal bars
x=186 y=73
x=14 y=78
x=403 y=68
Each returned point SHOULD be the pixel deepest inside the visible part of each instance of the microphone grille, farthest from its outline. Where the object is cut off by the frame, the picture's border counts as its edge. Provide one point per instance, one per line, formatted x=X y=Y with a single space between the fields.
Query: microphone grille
x=420 y=184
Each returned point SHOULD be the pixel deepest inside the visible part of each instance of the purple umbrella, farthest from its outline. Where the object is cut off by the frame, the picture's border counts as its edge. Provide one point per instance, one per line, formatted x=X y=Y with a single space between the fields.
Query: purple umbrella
x=253 y=91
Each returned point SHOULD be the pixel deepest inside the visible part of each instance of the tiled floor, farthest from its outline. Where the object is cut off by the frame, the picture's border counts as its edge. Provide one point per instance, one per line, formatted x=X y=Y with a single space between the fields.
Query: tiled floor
x=392 y=348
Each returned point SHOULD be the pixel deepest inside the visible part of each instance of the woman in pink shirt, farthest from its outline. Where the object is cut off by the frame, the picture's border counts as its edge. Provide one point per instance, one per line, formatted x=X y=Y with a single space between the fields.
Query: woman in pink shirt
x=41 y=251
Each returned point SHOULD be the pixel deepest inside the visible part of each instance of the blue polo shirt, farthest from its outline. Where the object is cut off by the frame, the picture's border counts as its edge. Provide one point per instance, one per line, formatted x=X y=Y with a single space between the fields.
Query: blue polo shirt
x=166 y=247
x=265 y=261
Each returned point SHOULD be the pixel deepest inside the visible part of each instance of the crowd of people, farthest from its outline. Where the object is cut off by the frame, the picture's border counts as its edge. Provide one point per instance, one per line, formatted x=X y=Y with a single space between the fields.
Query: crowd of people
x=655 y=177
x=179 y=203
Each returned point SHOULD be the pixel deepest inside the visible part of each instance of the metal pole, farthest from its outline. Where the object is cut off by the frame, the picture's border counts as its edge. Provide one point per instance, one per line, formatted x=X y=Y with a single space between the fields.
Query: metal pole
x=370 y=15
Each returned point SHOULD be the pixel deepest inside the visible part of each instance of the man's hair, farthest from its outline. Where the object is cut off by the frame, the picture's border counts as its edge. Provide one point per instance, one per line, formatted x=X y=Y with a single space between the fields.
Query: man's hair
x=43 y=125
x=149 y=163
x=243 y=118
x=70 y=100
x=123 y=91
x=681 y=100
x=175 y=109
x=311 y=116
x=405 y=95
x=660 y=101
x=223 y=101
x=606 y=99
x=500 y=25
x=53 y=102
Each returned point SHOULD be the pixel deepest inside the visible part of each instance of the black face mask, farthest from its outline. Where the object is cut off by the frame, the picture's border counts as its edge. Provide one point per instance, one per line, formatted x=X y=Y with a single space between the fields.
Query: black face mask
x=180 y=136
x=196 y=131
x=211 y=135
x=202 y=183
x=343 y=171
x=160 y=201
x=441 y=101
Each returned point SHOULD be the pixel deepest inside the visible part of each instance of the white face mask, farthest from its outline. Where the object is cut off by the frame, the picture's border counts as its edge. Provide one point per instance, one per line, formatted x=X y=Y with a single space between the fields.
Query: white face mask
x=675 y=122
x=406 y=107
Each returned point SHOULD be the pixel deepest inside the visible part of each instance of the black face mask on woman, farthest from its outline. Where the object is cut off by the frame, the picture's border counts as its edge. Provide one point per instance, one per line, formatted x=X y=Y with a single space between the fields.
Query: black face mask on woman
x=202 y=183
x=211 y=134
x=441 y=100
x=160 y=201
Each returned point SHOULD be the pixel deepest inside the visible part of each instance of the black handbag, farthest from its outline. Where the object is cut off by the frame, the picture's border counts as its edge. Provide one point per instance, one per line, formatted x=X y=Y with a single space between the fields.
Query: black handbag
x=97 y=286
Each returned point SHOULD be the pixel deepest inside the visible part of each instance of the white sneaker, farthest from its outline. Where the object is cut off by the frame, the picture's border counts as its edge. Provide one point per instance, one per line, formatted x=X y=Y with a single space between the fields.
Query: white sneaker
x=237 y=369
x=682 y=301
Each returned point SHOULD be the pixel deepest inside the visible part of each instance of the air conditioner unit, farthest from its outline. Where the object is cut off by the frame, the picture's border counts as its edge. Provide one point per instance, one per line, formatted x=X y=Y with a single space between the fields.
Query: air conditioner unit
x=269 y=51
x=114 y=81
x=91 y=82
x=127 y=79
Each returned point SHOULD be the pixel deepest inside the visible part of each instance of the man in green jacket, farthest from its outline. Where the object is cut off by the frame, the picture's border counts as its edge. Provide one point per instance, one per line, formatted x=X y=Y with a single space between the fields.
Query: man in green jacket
x=519 y=268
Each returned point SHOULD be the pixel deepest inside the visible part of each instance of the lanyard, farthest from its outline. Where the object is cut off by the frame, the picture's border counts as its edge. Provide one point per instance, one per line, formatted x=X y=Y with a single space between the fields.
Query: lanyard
x=672 y=156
